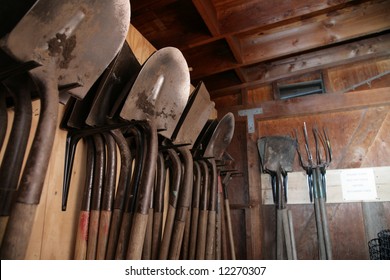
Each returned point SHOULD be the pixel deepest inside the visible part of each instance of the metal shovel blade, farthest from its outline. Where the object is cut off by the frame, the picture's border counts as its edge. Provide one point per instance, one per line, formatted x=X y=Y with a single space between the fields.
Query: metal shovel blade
x=194 y=117
x=221 y=137
x=161 y=91
x=94 y=30
x=279 y=151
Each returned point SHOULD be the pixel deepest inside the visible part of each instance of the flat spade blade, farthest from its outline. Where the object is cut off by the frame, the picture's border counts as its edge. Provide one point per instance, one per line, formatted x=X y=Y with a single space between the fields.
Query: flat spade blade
x=279 y=151
x=194 y=117
x=94 y=30
x=160 y=92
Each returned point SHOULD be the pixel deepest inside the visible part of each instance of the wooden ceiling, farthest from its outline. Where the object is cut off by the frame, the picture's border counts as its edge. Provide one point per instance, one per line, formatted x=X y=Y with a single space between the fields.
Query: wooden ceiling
x=235 y=45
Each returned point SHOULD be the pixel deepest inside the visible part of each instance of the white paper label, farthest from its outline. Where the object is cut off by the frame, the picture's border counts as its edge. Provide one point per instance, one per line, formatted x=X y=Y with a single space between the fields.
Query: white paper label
x=358 y=184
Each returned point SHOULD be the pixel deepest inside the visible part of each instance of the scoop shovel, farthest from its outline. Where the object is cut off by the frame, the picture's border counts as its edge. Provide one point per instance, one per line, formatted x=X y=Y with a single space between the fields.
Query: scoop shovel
x=62 y=36
x=157 y=98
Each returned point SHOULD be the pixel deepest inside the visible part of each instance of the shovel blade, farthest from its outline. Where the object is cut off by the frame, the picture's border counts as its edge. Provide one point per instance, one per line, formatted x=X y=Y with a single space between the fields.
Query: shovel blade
x=160 y=92
x=79 y=27
x=194 y=117
x=221 y=137
x=279 y=151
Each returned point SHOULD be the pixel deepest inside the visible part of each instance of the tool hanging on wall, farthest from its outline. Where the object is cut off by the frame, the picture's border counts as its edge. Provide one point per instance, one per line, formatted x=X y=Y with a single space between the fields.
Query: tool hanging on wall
x=316 y=180
x=277 y=157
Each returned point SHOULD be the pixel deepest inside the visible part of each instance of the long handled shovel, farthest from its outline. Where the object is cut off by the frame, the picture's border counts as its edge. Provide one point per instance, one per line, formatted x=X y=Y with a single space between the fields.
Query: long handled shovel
x=215 y=148
x=277 y=154
x=58 y=35
x=11 y=165
x=154 y=99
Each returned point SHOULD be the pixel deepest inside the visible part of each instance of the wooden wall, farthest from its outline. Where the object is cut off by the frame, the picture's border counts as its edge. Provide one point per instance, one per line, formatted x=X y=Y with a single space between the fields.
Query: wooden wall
x=357 y=117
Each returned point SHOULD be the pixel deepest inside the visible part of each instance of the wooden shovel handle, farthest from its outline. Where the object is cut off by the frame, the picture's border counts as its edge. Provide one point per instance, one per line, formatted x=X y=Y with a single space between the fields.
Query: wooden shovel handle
x=104 y=228
x=210 y=235
x=230 y=229
x=17 y=234
x=166 y=240
x=80 y=252
x=201 y=240
x=137 y=234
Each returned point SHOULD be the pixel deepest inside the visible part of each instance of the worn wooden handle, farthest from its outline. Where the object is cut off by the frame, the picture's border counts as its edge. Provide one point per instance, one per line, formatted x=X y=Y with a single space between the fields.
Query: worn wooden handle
x=210 y=235
x=166 y=240
x=80 y=251
x=137 y=236
x=156 y=235
x=93 y=234
x=147 y=250
x=104 y=228
x=19 y=227
x=114 y=233
x=123 y=239
x=230 y=229
x=202 y=230
x=193 y=233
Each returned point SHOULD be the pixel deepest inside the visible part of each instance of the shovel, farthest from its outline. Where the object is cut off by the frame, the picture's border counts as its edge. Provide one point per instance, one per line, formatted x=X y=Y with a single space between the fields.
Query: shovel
x=277 y=153
x=58 y=35
x=157 y=98
x=194 y=117
x=217 y=145
x=11 y=165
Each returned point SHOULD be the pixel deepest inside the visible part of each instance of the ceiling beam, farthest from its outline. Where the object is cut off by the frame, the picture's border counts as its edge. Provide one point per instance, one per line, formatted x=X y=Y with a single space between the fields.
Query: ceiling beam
x=263 y=73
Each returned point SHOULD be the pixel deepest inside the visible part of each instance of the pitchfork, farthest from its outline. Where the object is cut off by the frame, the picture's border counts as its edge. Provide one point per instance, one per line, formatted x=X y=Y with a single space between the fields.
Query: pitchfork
x=316 y=179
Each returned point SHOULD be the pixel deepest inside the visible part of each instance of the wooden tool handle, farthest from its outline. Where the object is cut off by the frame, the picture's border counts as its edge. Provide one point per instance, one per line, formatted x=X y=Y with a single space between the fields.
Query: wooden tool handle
x=80 y=252
x=193 y=233
x=230 y=229
x=16 y=237
x=210 y=235
x=123 y=239
x=202 y=231
x=137 y=236
x=166 y=240
x=104 y=227
x=113 y=237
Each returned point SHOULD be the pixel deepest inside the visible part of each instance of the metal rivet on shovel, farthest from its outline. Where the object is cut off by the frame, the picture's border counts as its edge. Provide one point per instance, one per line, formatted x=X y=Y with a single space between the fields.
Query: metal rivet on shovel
x=59 y=35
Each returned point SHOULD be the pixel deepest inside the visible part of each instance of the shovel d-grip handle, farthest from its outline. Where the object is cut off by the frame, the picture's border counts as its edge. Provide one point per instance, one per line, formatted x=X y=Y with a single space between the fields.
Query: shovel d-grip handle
x=140 y=220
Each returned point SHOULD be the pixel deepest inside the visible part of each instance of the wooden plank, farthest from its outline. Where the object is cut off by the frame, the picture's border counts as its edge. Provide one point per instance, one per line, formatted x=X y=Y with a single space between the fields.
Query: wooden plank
x=298 y=191
x=236 y=16
x=207 y=10
x=362 y=138
x=254 y=226
x=346 y=24
x=316 y=104
x=263 y=73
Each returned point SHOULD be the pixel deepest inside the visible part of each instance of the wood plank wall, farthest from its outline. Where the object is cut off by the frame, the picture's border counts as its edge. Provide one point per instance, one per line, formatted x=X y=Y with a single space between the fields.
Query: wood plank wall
x=358 y=123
